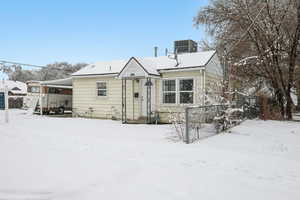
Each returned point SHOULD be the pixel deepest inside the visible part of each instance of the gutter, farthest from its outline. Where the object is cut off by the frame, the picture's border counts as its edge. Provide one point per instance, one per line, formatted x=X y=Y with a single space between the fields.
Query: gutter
x=181 y=69
x=95 y=75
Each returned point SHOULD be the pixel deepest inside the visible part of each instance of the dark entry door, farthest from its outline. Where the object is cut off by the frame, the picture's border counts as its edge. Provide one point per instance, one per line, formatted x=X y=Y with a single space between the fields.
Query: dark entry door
x=2 y=100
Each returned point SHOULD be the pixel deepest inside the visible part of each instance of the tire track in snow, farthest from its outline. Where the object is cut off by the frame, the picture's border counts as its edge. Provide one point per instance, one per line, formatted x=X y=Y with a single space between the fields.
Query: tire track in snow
x=24 y=195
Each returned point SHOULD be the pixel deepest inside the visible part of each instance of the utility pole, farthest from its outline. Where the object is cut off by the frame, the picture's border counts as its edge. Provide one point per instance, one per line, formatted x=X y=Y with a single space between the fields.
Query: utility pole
x=6 y=104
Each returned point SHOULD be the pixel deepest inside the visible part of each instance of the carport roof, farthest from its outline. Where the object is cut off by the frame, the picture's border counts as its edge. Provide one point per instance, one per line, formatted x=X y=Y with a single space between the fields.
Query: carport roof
x=67 y=82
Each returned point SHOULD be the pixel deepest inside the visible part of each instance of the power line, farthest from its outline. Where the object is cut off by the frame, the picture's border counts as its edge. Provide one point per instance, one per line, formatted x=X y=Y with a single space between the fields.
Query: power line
x=36 y=66
x=17 y=63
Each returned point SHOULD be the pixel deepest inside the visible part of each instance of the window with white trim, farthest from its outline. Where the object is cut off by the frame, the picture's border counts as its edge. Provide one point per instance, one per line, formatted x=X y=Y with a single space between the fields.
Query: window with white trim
x=186 y=91
x=101 y=89
x=169 y=91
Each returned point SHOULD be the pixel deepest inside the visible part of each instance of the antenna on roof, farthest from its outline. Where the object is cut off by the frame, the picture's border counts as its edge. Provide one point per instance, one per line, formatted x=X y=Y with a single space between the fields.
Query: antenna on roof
x=176 y=57
x=166 y=51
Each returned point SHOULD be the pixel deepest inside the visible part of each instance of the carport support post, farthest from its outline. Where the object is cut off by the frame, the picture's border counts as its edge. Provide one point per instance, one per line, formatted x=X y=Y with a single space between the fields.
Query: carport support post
x=41 y=100
x=148 y=89
x=6 y=104
x=125 y=100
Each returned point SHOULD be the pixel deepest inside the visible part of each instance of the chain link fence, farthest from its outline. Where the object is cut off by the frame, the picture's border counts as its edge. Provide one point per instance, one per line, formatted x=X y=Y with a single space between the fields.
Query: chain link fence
x=204 y=121
x=200 y=121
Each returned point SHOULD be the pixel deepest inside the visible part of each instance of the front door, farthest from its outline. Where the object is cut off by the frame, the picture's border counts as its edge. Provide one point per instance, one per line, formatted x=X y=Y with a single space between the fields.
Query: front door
x=143 y=92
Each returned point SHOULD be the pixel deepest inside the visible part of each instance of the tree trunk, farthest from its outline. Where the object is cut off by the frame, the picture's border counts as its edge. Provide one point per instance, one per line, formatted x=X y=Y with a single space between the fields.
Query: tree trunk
x=289 y=107
x=280 y=101
x=298 y=96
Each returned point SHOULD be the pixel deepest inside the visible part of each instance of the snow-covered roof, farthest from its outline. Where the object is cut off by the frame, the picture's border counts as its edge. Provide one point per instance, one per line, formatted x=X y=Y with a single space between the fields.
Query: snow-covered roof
x=151 y=64
x=15 y=87
x=110 y=67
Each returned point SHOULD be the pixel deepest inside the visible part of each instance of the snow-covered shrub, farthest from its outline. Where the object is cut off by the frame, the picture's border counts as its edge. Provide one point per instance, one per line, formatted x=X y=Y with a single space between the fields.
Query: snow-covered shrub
x=177 y=119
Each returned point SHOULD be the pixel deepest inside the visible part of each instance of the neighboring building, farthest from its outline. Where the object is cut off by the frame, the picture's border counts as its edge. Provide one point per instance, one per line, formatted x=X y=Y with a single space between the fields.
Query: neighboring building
x=15 y=88
x=56 y=95
x=16 y=92
x=140 y=89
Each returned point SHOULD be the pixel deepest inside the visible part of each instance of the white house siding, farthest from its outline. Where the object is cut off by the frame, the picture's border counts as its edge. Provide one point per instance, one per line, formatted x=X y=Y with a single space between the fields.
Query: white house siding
x=165 y=109
x=85 y=97
x=214 y=75
x=214 y=66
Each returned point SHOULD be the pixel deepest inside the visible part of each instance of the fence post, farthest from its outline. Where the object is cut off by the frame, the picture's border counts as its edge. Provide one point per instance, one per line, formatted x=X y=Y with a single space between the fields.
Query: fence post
x=187 y=136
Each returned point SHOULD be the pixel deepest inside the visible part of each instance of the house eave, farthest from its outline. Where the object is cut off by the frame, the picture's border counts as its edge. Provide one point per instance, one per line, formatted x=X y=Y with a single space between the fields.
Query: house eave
x=95 y=75
x=181 y=69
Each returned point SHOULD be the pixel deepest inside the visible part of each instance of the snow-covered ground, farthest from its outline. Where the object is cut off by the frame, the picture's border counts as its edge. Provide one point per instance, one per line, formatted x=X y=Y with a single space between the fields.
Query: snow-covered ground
x=82 y=159
x=296 y=116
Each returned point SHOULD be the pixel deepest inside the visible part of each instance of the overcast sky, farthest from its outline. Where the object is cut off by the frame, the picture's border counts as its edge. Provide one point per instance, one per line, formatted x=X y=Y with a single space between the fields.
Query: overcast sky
x=42 y=32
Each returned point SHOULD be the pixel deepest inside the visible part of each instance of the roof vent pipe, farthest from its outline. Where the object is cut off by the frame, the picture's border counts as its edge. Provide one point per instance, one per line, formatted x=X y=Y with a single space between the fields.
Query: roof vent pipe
x=166 y=52
x=155 y=51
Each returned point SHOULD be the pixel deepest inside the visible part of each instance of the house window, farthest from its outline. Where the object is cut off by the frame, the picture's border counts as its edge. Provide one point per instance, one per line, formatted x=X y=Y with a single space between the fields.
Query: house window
x=169 y=91
x=186 y=91
x=33 y=89
x=101 y=89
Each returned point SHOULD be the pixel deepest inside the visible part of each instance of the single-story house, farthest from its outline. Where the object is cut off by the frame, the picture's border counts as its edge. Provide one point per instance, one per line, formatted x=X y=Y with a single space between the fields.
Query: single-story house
x=140 y=89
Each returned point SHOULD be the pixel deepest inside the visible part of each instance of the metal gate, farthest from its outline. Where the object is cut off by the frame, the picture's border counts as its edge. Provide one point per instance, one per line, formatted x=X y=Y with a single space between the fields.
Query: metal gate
x=2 y=100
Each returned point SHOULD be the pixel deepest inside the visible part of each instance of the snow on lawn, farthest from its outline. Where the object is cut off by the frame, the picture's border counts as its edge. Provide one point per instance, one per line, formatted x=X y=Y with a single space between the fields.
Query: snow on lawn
x=82 y=159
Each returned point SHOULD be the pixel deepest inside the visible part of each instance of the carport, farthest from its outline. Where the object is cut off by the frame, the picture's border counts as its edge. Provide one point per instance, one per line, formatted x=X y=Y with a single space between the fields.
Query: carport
x=59 y=90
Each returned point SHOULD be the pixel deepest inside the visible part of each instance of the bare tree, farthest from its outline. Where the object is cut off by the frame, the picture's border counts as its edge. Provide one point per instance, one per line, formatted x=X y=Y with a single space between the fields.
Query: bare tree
x=53 y=71
x=267 y=32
